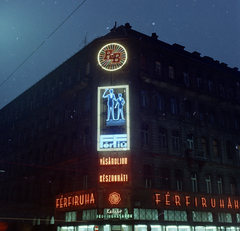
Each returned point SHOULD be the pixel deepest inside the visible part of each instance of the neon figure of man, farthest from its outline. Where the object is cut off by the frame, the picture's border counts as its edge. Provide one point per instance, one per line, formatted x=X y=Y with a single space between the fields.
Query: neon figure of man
x=120 y=103
x=111 y=98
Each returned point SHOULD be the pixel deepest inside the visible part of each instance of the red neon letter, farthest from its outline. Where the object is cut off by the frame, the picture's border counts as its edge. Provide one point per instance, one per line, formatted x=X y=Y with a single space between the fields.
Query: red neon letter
x=236 y=204
x=187 y=200
x=157 y=198
x=229 y=203
x=221 y=203
x=167 y=201
x=177 y=200
x=204 y=202
x=213 y=202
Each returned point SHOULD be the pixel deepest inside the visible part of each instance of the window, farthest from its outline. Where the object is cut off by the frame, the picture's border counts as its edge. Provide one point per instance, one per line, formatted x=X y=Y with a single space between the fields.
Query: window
x=208 y=184
x=186 y=78
x=88 y=68
x=210 y=86
x=236 y=122
x=145 y=134
x=222 y=90
x=162 y=138
x=212 y=117
x=87 y=102
x=188 y=109
x=199 y=82
x=142 y=63
x=219 y=185
x=173 y=102
x=171 y=72
x=215 y=148
x=202 y=216
x=145 y=214
x=165 y=178
x=204 y=147
x=175 y=215
x=158 y=69
x=71 y=216
x=144 y=98
x=175 y=140
x=233 y=186
x=190 y=141
x=179 y=179
x=160 y=102
x=147 y=176
x=225 y=217
x=194 y=182
x=202 y=113
x=229 y=150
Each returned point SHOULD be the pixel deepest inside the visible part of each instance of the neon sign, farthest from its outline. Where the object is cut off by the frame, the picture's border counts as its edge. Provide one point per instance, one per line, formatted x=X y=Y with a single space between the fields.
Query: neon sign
x=112 y=56
x=166 y=199
x=76 y=199
x=113 y=161
x=113 y=118
x=114 y=198
x=113 y=178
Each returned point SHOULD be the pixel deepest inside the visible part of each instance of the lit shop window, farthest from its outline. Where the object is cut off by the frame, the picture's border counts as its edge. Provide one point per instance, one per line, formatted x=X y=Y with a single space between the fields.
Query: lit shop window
x=238 y=217
x=89 y=215
x=225 y=217
x=70 y=216
x=175 y=215
x=202 y=216
x=145 y=214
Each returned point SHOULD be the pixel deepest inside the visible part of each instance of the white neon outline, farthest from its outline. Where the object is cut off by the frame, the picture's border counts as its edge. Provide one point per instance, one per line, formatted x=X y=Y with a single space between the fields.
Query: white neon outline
x=127 y=118
x=118 y=66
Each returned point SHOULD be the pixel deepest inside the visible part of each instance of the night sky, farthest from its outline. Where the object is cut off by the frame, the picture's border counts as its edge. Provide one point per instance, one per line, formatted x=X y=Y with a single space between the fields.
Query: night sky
x=210 y=27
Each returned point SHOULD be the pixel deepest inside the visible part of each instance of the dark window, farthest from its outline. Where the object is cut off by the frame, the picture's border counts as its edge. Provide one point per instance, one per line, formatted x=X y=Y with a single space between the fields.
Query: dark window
x=204 y=147
x=202 y=113
x=179 y=179
x=210 y=86
x=222 y=90
x=144 y=98
x=229 y=150
x=145 y=134
x=208 y=184
x=194 y=182
x=190 y=141
x=188 y=109
x=173 y=102
x=233 y=186
x=158 y=69
x=220 y=185
x=160 y=101
x=186 y=78
x=147 y=176
x=171 y=73
x=215 y=148
x=162 y=138
x=142 y=63
x=199 y=83
x=165 y=178
x=175 y=140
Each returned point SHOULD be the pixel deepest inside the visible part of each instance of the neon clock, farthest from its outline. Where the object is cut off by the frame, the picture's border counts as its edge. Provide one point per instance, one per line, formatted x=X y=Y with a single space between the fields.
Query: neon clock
x=112 y=56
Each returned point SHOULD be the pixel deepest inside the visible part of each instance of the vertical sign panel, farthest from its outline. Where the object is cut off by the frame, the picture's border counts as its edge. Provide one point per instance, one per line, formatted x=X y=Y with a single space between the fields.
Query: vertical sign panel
x=113 y=118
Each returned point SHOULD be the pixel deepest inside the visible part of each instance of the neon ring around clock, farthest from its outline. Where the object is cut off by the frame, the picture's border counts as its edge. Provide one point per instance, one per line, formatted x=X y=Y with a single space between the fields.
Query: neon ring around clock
x=112 y=56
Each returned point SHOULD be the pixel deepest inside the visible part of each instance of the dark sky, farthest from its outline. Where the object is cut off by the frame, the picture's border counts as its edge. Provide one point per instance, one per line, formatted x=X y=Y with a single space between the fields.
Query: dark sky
x=211 y=27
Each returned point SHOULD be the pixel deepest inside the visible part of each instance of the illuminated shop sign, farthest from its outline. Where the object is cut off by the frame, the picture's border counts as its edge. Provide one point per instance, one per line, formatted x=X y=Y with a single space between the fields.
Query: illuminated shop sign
x=113 y=118
x=112 y=56
x=115 y=213
x=110 y=178
x=75 y=200
x=114 y=198
x=167 y=199
x=113 y=161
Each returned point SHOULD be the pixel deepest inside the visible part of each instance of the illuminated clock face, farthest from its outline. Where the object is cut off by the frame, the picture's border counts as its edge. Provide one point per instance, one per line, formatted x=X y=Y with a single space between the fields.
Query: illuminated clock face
x=112 y=56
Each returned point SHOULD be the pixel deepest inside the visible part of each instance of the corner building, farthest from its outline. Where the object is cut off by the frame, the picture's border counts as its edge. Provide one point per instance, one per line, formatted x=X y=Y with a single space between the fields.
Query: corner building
x=129 y=134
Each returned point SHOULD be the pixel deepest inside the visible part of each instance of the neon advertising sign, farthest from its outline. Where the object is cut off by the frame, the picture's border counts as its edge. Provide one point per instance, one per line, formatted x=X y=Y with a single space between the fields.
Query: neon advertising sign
x=113 y=118
x=112 y=56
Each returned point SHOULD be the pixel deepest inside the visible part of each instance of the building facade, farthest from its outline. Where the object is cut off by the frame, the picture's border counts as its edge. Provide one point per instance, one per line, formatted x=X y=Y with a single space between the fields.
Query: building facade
x=129 y=134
